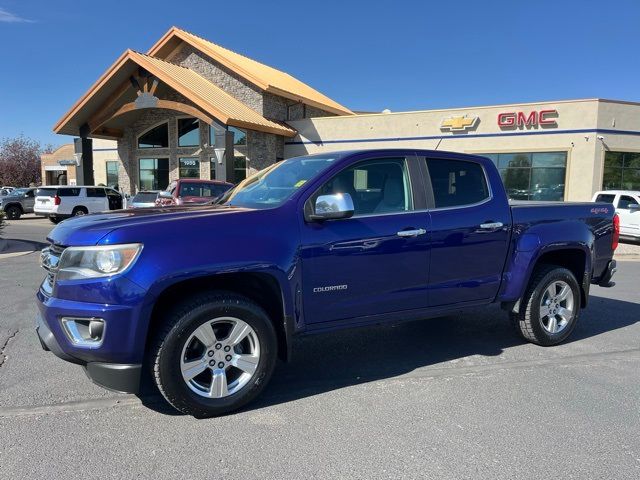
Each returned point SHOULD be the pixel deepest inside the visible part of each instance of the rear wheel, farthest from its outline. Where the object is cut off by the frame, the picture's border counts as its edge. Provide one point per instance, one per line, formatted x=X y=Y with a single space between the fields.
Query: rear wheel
x=13 y=212
x=549 y=309
x=79 y=211
x=216 y=353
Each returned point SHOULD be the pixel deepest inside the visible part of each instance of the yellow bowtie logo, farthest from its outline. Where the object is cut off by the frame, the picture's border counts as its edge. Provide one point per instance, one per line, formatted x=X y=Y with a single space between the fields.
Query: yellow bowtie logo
x=458 y=124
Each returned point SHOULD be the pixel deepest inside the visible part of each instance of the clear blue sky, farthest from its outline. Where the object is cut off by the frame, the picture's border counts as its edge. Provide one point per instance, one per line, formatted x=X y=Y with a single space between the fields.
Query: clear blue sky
x=368 y=55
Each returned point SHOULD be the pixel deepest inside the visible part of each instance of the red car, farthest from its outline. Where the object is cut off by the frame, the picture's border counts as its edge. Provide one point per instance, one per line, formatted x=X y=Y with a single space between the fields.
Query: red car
x=188 y=191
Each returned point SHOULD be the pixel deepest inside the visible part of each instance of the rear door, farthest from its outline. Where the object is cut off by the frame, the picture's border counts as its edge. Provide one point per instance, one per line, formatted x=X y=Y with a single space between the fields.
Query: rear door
x=628 y=209
x=377 y=261
x=96 y=199
x=469 y=231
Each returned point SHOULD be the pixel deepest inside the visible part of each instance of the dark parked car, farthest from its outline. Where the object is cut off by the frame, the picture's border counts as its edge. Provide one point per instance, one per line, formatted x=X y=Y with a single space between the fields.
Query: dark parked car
x=313 y=244
x=18 y=202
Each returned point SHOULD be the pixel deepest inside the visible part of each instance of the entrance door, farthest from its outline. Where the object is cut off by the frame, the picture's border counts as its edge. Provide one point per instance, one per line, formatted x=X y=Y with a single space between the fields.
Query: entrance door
x=376 y=261
x=469 y=233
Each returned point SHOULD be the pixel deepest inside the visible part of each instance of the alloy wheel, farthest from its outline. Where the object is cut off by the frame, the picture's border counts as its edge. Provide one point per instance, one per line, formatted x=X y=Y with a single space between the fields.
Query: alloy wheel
x=220 y=357
x=556 y=307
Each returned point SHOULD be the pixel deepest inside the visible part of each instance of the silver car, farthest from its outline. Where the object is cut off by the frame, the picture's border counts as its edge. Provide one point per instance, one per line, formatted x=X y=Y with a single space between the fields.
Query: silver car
x=144 y=199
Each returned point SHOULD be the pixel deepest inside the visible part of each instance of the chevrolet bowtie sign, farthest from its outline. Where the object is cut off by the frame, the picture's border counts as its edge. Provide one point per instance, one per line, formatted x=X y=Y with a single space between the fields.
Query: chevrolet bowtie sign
x=458 y=124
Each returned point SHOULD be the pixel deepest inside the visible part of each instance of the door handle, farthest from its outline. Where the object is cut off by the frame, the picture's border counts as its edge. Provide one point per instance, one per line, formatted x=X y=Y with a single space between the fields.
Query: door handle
x=491 y=225
x=412 y=233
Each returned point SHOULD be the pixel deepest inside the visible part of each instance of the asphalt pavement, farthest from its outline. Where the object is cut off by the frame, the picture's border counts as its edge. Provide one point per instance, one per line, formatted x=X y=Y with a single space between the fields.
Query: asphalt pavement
x=455 y=397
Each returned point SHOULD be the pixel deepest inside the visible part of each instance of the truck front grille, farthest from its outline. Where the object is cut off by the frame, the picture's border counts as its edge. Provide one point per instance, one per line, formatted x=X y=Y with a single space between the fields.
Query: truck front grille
x=49 y=260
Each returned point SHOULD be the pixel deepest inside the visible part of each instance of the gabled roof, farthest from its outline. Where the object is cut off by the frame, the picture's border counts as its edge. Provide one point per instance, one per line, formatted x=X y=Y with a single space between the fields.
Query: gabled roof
x=263 y=76
x=207 y=96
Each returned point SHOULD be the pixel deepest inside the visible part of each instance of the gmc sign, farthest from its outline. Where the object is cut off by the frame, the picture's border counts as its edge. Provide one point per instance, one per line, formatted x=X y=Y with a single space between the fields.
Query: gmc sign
x=535 y=119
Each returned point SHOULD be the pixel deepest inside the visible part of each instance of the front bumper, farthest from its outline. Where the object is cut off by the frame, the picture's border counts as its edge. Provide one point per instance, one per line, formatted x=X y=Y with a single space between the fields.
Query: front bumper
x=119 y=377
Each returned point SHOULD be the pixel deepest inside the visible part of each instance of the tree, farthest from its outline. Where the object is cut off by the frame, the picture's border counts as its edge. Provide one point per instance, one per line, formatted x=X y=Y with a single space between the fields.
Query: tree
x=19 y=162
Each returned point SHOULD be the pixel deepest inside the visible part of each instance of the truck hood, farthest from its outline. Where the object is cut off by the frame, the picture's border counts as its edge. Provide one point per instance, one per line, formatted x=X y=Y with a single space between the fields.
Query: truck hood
x=90 y=229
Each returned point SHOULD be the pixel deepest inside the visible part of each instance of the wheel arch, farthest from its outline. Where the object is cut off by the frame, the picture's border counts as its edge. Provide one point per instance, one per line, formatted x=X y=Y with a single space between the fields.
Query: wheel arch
x=13 y=204
x=259 y=287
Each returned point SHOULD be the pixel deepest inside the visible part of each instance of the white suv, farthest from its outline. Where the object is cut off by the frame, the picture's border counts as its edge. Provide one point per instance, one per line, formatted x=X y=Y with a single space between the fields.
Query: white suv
x=59 y=203
x=627 y=205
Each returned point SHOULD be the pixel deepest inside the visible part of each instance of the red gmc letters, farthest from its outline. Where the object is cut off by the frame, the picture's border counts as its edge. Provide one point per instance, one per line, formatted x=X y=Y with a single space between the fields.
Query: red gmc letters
x=534 y=119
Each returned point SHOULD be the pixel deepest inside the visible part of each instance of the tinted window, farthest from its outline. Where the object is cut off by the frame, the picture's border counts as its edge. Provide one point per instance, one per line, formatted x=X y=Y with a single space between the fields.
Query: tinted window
x=68 y=192
x=621 y=171
x=46 y=192
x=625 y=201
x=188 y=132
x=189 y=167
x=606 y=198
x=376 y=186
x=96 y=192
x=154 y=173
x=157 y=137
x=201 y=190
x=456 y=183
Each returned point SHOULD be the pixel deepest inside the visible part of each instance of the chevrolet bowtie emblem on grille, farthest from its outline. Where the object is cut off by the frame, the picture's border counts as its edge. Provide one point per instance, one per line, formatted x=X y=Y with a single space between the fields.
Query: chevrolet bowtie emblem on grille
x=458 y=124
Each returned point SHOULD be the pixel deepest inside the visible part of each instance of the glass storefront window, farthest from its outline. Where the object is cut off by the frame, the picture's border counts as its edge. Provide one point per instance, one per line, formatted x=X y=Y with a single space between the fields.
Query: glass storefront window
x=112 y=173
x=239 y=136
x=189 y=167
x=621 y=171
x=157 y=137
x=212 y=168
x=154 y=173
x=532 y=175
x=239 y=168
x=188 y=132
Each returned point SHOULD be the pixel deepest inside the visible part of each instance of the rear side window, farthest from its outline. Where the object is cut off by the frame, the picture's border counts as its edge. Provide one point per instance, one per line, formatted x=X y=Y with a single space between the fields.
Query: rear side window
x=68 y=192
x=605 y=197
x=626 y=201
x=457 y=183
x=46 y=192
x=96 y=192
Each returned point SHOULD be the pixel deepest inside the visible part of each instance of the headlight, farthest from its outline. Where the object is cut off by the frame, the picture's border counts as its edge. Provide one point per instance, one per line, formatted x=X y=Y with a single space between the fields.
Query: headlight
x=94 y=262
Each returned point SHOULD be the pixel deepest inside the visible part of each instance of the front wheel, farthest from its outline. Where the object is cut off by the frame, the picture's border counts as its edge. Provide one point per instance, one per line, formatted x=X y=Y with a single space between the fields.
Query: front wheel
x=215 y=353
x=13 y=213
x=549 y=309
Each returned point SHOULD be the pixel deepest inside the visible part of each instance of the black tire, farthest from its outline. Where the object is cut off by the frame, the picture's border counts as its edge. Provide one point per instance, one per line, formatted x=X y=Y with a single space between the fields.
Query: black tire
x=79 y=211
x=177 y=327
x=13 y=212
x=55 y=220
x=528 y=321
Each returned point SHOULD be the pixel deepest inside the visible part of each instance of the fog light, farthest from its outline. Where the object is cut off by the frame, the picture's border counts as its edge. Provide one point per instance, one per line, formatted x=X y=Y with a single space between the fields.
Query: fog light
x=84 y=332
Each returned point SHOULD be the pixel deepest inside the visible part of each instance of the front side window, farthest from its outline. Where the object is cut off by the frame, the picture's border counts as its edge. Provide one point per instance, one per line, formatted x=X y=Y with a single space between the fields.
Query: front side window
x=626 y=202
x=532 y=175
x=189 y=167
x=112 y=173
x=375 y=186
x=157 y=137
x=154 y=173
x=621 y=171
x=456 y=183
x=275 y=184
x=188 y=132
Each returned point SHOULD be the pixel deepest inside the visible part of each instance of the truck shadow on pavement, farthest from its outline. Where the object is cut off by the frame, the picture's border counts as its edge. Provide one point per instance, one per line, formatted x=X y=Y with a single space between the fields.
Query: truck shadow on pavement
x=326 y=362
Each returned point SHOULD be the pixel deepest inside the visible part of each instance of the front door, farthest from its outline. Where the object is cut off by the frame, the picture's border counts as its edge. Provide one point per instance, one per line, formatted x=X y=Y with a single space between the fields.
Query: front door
x=469 y=232
x=376 y=261
x=628 y=210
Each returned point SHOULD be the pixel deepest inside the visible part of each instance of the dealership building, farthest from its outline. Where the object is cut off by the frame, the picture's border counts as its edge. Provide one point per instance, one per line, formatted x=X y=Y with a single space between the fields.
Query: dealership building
x=190 y=108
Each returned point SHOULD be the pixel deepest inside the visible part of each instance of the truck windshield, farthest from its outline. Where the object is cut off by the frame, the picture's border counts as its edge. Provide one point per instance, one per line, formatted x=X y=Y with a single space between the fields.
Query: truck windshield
x=275 y=184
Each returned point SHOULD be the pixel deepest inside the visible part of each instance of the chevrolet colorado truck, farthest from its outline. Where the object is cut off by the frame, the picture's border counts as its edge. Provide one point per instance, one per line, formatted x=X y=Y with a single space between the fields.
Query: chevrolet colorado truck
x=310 y=244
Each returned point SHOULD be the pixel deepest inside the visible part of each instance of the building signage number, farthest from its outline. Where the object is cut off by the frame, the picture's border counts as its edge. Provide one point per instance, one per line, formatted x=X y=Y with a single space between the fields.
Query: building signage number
x=534 y=119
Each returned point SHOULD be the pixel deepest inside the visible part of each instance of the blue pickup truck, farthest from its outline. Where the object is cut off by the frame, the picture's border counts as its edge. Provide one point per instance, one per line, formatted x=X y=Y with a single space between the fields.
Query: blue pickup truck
x=310 y=244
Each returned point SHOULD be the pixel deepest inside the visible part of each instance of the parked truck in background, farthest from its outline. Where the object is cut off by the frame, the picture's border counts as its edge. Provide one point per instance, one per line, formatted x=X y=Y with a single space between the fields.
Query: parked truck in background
x=312 y=244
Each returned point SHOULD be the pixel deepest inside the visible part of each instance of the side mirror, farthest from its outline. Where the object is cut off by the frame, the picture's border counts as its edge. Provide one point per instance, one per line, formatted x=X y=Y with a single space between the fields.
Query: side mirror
x=333 y=207
x=166 y=195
